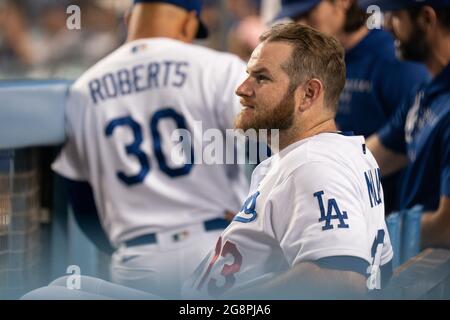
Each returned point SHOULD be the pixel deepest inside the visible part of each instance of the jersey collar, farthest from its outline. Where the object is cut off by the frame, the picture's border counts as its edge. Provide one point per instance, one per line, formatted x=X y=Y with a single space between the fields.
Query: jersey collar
x=345 y=133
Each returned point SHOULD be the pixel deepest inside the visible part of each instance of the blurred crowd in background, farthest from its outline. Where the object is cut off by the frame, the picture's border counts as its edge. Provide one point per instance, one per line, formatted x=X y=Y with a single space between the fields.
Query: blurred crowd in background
x=36 y=43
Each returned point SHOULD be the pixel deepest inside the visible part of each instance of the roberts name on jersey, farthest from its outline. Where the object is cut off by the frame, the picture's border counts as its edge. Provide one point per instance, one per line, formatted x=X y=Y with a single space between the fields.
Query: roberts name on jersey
x=138 y=78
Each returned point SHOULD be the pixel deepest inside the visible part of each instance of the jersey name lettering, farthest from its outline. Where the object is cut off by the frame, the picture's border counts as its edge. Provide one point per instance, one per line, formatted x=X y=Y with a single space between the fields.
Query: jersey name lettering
x=374 y=186
x=138 y=78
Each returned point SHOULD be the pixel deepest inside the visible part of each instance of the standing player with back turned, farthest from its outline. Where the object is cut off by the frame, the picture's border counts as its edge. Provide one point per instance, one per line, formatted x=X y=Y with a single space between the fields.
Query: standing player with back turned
x=160 y=216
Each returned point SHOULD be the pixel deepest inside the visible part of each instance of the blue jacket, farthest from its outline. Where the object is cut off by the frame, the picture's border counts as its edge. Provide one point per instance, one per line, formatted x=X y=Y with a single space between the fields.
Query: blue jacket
x=421 y=130
x=377 y=84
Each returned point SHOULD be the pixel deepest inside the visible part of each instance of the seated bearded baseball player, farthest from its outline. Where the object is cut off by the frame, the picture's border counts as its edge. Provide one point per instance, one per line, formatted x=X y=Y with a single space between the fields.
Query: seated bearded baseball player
x=313 y=223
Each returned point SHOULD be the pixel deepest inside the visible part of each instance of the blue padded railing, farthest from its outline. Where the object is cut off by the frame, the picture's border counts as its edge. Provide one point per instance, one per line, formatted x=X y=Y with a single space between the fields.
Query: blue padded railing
x=32 y=113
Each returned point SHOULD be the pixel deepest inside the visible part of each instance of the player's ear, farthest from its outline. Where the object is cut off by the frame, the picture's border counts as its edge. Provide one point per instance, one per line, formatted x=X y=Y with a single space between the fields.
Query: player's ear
x=428 y=20
x=307 y=94
x=190 y=27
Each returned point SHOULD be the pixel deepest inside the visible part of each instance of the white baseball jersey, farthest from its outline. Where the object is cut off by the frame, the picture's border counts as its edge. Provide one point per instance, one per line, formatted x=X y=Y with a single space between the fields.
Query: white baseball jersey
x=318 y=198
x=121 y=115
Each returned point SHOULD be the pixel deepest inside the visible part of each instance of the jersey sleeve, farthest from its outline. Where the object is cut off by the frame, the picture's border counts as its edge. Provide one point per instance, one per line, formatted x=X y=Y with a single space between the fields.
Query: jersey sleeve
x=387 y=253
x=445 y=161
x=69 y=162
x=230 y=76
x=318 y=213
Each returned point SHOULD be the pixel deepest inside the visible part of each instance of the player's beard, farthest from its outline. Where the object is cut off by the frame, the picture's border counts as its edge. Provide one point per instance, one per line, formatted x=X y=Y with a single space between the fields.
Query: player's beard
x=415 y=48
x=281 y=117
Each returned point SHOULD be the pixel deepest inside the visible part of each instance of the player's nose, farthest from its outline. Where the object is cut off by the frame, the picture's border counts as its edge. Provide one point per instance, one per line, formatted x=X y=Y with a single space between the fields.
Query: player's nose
x=244 y=89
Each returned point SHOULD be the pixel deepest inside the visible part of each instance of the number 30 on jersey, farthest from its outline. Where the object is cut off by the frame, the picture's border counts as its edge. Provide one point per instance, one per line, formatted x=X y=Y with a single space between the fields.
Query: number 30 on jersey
x=134 y=149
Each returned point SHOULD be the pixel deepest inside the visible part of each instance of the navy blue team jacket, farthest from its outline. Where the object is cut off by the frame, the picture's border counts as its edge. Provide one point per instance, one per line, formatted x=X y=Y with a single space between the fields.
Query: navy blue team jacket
x=377 y=84
x=421 y=130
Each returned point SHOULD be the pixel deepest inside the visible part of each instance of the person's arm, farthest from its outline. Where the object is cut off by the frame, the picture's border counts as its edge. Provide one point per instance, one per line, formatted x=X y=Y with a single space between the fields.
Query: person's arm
x=388 y=160
x=436 y=226
x=320 y=226
x=388 y=145
x=71 y=166
x=82 y=201
x=307 y=280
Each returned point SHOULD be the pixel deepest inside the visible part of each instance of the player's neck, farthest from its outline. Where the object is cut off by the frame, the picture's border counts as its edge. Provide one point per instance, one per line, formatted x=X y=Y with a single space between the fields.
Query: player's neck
x=295 y=134
x=155 y=20
x=439 y=57
x=151 y=33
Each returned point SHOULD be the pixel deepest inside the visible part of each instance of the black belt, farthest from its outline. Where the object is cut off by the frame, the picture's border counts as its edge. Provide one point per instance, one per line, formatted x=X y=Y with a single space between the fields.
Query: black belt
x=150 y=238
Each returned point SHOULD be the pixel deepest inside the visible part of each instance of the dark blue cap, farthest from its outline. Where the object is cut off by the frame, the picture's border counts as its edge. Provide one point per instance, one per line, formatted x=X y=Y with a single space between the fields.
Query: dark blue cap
x=293 y=8
x=188 y=5
x=393 y=5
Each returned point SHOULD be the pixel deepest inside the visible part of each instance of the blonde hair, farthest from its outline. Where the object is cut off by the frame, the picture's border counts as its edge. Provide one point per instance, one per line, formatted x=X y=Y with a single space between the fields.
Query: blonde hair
x=315 y=55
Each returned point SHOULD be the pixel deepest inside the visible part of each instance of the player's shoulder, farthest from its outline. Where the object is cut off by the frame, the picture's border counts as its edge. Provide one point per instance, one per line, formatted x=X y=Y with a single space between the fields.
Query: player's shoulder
x=385 y=61
x=327 y=146
x=194 y=53
x=393 y=73
x=331 y=151
x=100 y=67
x=202 y=51
x=214 y=61
x=411 y=72
x=342 y=151
x=164 y=49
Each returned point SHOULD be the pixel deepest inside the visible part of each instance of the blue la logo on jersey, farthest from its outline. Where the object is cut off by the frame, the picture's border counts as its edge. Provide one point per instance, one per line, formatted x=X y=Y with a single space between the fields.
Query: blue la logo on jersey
x=328 y=216
x=248 y=209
